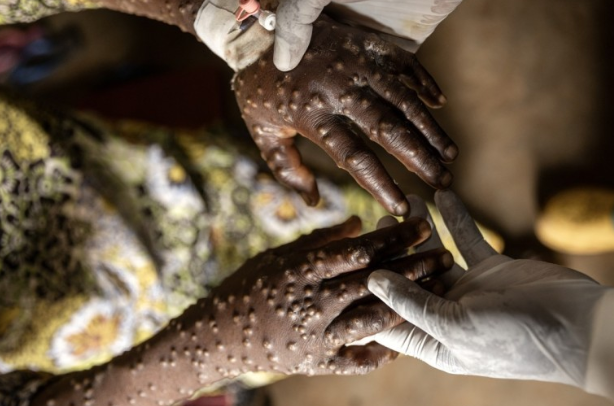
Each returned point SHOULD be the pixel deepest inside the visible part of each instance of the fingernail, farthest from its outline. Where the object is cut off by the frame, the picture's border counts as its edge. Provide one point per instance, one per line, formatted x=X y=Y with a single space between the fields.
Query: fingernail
x=310 y=198
x=424 y=228
x=282 y=57
x=451 y=152
x=401 y=208
x=445 y=180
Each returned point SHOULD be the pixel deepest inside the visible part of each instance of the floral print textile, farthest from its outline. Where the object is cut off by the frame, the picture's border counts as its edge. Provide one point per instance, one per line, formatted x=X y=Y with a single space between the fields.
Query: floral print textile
x=107 y=231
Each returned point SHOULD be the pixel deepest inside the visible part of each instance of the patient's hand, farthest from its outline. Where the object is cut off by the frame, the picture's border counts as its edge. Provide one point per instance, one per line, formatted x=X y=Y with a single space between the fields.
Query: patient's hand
x=290 y=309
x=348 y=82
x=299 y=304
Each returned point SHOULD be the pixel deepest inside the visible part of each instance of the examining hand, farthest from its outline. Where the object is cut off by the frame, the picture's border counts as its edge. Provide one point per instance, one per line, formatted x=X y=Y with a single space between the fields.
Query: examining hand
x=409 y=22
x=293 y=30
x=503 y=318
x=348 y=80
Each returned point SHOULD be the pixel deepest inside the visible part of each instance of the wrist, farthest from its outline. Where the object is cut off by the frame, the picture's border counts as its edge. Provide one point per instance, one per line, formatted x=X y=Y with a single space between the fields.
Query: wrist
x=216 y=25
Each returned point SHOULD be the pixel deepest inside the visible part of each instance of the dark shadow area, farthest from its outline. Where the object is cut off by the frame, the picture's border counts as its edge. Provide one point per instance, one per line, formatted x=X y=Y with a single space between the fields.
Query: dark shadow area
x=597 y=169
x=141 y=69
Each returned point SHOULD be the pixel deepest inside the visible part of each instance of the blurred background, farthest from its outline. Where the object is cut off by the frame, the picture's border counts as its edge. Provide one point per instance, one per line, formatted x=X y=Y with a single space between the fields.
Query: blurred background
x=529 y=86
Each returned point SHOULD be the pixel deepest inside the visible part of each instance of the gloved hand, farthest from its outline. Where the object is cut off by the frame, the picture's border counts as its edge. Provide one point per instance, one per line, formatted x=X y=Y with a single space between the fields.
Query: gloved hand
x=293 y=30
x=408 y=22
x=503 y=318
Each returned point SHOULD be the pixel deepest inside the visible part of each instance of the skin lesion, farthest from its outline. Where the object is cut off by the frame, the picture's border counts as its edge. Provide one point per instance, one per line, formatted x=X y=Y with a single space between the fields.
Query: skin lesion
x=368 y=82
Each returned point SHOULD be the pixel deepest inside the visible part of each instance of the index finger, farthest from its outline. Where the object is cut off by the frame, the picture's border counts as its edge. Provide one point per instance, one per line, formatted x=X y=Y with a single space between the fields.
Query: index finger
x=469 y=240
x=419 y=209
x=352 y=254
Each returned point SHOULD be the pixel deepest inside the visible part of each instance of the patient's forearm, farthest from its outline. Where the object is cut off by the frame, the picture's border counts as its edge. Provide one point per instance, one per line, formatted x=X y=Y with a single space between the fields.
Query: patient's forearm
x=181 y=13
x=182 y=358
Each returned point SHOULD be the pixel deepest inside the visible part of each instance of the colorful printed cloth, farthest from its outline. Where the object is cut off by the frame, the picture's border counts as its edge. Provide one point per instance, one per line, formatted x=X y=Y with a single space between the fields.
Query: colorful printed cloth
x=108 y=231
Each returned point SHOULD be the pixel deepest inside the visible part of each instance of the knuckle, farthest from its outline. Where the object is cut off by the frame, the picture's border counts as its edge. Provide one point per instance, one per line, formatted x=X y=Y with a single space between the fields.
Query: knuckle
x=388 y=131
x=358 y=161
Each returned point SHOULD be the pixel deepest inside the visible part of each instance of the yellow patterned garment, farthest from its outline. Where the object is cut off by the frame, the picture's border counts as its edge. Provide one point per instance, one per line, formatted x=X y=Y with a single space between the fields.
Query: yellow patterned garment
x=108 y=231
x=23 y=11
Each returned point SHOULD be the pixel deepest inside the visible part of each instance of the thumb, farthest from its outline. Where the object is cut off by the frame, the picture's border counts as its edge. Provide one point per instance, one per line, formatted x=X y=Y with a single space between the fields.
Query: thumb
x=416 y=305
x=410 y=340
x=293 y=30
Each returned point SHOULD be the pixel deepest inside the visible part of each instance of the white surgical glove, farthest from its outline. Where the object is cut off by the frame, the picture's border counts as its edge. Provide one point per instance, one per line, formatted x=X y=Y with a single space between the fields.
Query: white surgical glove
x=409 y=21
x=503 y=318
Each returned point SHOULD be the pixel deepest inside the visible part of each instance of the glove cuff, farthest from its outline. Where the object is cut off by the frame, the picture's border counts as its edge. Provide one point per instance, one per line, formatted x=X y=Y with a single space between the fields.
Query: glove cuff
x=600 y=366
x=218 y=28
x=407 y=22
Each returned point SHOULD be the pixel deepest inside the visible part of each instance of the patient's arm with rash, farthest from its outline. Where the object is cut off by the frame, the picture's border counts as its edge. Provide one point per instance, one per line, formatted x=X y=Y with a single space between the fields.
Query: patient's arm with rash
x=289 y=310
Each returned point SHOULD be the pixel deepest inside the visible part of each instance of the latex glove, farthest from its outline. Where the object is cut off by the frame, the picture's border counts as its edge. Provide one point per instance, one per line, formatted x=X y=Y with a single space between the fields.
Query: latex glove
x=348 y=80
x=293 y=30
x=503 y=318
x=408 y=22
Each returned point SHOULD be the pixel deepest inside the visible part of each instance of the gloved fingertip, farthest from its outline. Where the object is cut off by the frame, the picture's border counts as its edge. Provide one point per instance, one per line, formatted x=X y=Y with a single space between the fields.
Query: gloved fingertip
x=291 y=43
x=378 y=283
x=443 y=195
x=283 y=61
x=288 y=54
x=448 y=202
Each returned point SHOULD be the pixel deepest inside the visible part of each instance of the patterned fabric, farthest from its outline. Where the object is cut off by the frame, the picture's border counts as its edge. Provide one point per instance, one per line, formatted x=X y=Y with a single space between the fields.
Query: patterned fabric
x=23 y=11
x=16 y=388
x=108 y=231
